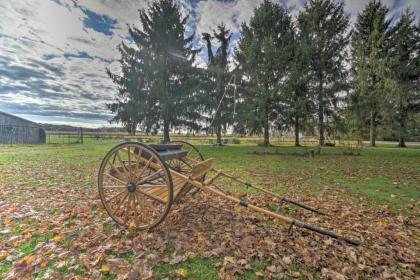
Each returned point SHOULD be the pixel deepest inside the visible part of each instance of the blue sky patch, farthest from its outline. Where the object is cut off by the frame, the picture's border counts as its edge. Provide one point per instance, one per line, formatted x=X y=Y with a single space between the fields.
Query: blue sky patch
x=49 y=56
x=78 y=55
x=100 y=23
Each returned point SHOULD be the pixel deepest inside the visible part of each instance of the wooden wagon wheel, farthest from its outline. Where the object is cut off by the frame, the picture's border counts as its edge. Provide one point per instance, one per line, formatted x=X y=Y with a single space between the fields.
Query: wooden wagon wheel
x=135 y=186
x=185 y=164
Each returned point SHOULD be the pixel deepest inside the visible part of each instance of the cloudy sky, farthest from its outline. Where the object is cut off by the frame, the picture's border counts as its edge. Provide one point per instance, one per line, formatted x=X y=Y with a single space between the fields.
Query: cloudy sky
x=53 y=53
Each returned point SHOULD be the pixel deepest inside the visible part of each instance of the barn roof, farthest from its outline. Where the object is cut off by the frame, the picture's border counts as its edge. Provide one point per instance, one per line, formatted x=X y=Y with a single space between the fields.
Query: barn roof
x=19 y=118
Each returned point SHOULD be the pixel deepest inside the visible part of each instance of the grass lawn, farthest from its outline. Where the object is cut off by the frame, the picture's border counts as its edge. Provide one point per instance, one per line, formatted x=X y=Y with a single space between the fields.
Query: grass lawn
x=52 y=223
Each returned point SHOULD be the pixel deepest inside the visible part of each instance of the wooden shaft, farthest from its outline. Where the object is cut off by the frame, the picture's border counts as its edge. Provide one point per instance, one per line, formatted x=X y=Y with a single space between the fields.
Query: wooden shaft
x=250 y=185
x=272 y=193
x=209 y=181
x=234 y=199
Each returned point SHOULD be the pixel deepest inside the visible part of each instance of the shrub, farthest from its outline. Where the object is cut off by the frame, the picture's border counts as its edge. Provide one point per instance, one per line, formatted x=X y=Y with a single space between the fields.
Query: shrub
x=236 y=141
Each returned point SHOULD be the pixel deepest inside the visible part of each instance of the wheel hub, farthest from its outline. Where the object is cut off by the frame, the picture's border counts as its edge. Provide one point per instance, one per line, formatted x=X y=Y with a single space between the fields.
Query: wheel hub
x=131 y=187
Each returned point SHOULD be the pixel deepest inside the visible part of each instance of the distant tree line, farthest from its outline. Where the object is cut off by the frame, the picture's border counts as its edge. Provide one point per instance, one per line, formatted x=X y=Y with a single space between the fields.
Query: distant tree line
x=312 y=73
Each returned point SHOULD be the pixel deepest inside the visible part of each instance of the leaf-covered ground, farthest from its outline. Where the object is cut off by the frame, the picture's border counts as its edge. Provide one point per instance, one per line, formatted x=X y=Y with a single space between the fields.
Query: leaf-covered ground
x=52 y=224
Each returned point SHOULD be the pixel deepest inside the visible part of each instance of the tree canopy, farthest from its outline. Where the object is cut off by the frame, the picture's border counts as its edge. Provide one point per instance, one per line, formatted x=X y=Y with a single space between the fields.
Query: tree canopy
x=310 y=74
x=263 y=55
x=156 y=67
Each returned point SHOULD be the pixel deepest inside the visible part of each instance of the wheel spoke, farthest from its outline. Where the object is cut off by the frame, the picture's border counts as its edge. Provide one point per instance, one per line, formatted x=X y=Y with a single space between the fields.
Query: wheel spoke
x=116 y=170
x=136 y=218
x=122 y=162
x=127 y=208
x=150 y=186
x=115 y=196
x=115 y=178
x=186 y=163
x=149 y=177
x=115 y=187
x=121 y=202
x=137 y=164
x=144 y=168
x=140 y=204
x=129 y=162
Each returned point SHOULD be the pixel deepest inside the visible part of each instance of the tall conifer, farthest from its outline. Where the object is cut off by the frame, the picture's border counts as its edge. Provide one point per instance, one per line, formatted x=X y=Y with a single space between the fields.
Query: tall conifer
x=156 y=70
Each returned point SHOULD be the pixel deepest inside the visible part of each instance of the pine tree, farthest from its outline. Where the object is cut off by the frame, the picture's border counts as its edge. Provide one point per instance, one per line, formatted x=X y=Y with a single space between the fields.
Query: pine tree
x=326 y=25
x=405 y=71
x=370 y=48
x=263 y=55
x=297 y=98
x=133 y=106
x=155 y=87
x=219 y=99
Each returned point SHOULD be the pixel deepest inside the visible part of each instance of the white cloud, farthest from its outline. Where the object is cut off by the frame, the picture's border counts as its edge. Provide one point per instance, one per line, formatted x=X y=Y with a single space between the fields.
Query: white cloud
x=51 y=63
x=232 y=13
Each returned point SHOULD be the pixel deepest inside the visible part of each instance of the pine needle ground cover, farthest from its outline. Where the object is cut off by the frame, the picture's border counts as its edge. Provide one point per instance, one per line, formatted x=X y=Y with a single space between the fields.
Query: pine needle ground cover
x=53 y=225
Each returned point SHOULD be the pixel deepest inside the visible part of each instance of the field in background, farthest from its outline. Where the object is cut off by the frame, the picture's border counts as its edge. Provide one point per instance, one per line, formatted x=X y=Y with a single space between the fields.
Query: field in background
x=60 y=137
x=56 y=180
x=74 y=137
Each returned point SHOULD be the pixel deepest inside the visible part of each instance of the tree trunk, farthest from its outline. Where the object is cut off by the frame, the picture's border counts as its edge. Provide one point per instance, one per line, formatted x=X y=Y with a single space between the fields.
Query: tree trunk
x=219 y=135
x=133 y=129
x=297 y=144
x=266 y=127
x=372 y=130
x=401 y=142
x=166 y=138
x=321 y=112
x=266 y=136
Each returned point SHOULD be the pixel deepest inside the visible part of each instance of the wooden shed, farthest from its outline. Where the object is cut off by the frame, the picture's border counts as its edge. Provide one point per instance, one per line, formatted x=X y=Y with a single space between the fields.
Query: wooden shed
x=15 y=130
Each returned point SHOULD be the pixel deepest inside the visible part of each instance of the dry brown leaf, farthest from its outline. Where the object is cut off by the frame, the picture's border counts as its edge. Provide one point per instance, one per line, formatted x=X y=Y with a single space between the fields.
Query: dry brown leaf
x=180 y=272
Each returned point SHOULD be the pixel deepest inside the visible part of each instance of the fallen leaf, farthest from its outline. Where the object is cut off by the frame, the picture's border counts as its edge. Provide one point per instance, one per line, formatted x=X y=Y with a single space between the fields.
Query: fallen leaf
x=180 y=272
x=58 y=238
x=3 y=255
x=287 y=260
x=272 y=268
x=105 y=268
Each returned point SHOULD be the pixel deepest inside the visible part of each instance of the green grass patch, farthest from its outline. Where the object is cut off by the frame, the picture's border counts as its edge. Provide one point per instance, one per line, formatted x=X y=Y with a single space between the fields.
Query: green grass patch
x=256 y=266
x=196 y=268
x=108 y=276
x=5 y=267
x=29 y=247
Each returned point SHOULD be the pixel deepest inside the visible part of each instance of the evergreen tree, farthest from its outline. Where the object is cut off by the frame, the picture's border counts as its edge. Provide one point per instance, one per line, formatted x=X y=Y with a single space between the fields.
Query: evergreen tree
x=155 y=87
x=370 y=48
x=263 y=55
x=325 y=24
x=297 y=99
x=405 y=71
x=219 y=99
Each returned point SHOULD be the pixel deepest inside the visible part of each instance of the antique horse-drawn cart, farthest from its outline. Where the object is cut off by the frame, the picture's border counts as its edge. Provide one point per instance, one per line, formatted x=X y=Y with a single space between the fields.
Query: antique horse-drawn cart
x=138 y=184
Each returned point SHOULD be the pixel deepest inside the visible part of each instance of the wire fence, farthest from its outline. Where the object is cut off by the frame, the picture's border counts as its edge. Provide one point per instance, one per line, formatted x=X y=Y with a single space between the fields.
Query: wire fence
x=82 y=137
